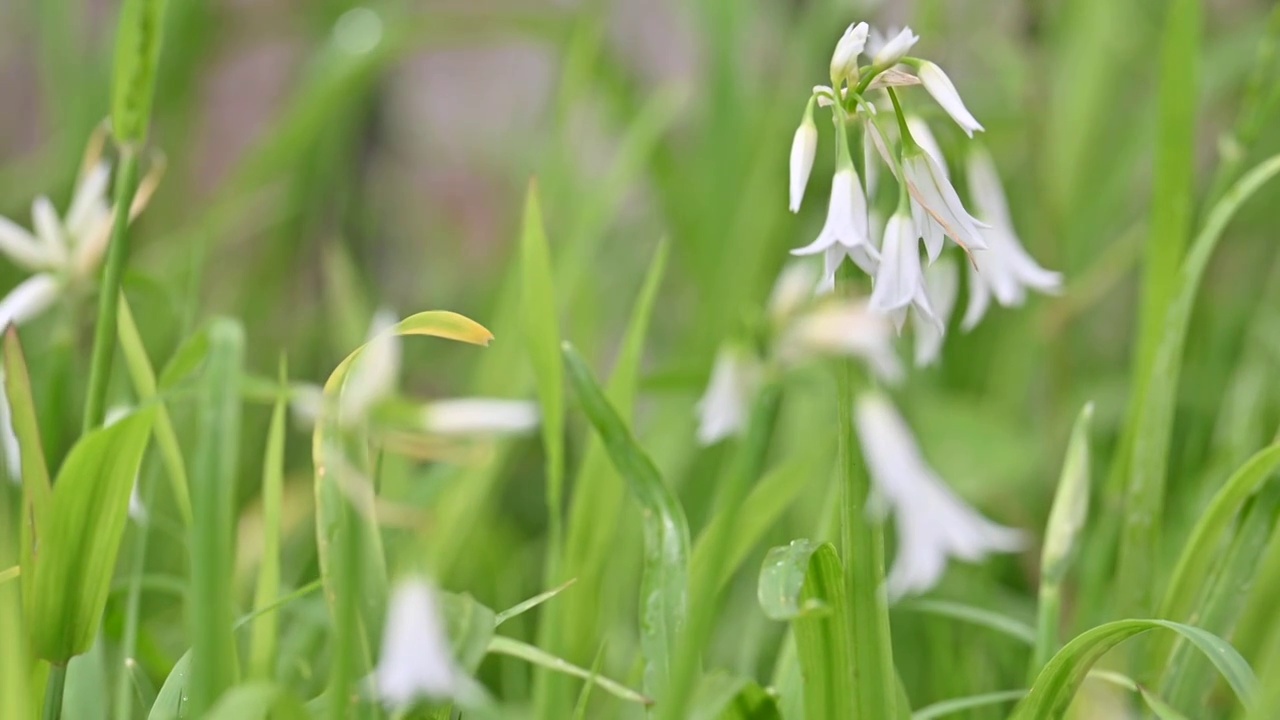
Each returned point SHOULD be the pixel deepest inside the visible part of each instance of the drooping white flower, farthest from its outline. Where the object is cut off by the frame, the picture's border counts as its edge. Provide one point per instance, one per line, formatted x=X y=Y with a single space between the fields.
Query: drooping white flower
x=479 y=416
x=1004 y=270
x=843 y=327
x=899 y=276
x=846 y=229
x=416 y=662
x=795 y=287
x=723 y=409
x=892 y=50
x=60 y=250
x=374 y=373
x=844 y=61
x=928 y=185
x=946 y=95
x=933 y=310
x=803 y=148
x=933 y=524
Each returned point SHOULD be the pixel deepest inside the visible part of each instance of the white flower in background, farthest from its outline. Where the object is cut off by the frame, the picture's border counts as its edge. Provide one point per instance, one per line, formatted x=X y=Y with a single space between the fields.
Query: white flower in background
x=480 y=416
x=735 y=378
x=1005 y=270
x=844 y=61
x=137 y=511
x=803 y=148
x=889 y=52
x=842 y=328
x=946 y=95
x=374 y=373
x=795 y=287
x=416 y=662
x=8 y=438
x=929 y=186
x=933 y=523
x=933 y=310
x=845 y=233
x=61 y=250
x=899 y=277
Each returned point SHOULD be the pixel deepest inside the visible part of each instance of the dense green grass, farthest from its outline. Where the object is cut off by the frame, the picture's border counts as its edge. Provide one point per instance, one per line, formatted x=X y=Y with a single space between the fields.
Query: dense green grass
x=300 y=480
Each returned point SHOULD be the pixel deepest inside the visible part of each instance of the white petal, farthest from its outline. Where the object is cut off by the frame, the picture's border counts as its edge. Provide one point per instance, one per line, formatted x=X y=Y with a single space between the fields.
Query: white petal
x=30 y=298
x=374 y=373
x=845 y=58
x=416 y=661
x=979 y=300
x=899 y=275
x=895 y=48
x=90 y=199
x=941 y=285
x=480 y=416
x=824 y=93
x=946 y=95
x=8 y=438
x=722 y=411
x=22 y=247
x=803 y=148
x=846 y=218
x=843 y=327
x=924 y=137
x=49 y=230
x=793 y=289
x=930 y=187
x=306 y=403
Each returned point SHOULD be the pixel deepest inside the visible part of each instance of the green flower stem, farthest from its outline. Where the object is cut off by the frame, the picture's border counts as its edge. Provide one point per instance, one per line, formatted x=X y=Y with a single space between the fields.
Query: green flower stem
x=104 y=333
x=53 y=692
x=1048 y=618
x=862 y=547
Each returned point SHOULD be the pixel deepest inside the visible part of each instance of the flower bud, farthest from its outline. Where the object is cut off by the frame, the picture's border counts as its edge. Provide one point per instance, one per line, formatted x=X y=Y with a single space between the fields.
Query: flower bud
x=803 y=148
x=844 y=61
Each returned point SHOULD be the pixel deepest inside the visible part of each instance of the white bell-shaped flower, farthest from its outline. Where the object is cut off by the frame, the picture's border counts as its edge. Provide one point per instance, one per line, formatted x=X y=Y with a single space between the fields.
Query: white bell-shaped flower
x=416 y=662
x=723 y=409
x=945 y=94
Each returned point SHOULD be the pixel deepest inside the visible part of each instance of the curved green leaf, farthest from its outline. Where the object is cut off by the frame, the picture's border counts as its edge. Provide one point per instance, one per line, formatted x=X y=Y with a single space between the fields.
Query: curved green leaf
x=665 y=578
x=956 y=705
x=1056 y=685
x=803 y=583
x=171 y=701
x=1012 y=627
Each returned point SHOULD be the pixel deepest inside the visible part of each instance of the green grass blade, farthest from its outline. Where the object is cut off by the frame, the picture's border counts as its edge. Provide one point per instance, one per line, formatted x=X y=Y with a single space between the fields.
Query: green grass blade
x=1003 y=624
x=524 y=651
x=262 y=644
x=1144 y=495
x=542 y=335
x=36 y=489
x=1054 y=688
x=80 y=537
x=803 y=583
x=1204 y=544
x=15 y=658
x=212 y=543
x=525 y=606
x=665 y=578
x=137 y=62
x=171 y=701
x=959 y=705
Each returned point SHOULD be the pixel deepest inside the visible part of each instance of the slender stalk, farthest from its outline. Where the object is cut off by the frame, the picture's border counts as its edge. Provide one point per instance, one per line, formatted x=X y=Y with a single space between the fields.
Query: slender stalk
x=53 y=692
x=862 y=547
x=104 y=333
x=1048 y=618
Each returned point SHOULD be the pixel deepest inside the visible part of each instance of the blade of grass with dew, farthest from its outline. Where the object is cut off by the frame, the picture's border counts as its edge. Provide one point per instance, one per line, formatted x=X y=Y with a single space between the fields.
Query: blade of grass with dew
x=212 y=544
x=542 y=336
x=80 y=534
x=1187 y=682
x=1066 y=520
x=746 y=469
x=664 y=581
x=803 y=583
x=1195 y=564
x=263 y=639
x=974 y=615
x=529 y=653
x=144 y=384
x=1145 y=491
x=1057 y=683
x=345 y=545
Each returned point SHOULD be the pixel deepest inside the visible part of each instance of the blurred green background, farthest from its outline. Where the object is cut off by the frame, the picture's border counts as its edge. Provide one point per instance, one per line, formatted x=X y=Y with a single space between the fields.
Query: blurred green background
x=328 y=158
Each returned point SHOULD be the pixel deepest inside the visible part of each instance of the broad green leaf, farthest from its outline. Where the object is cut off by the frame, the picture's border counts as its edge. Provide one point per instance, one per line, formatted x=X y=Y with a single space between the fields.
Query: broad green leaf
x=257 y=701
x=36 y=491
x=144 y=383
x=212 y=544
x=542 y=336
x=80 y=534
x=721 y=696
x=803 y=583
x=1003 y=624
x=87 y=685
x=136 y=63
x=1054 y=688
x=524 y=651
x=171 y=701
x=1144 y=495
x=664 y=583
x=262 y=647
